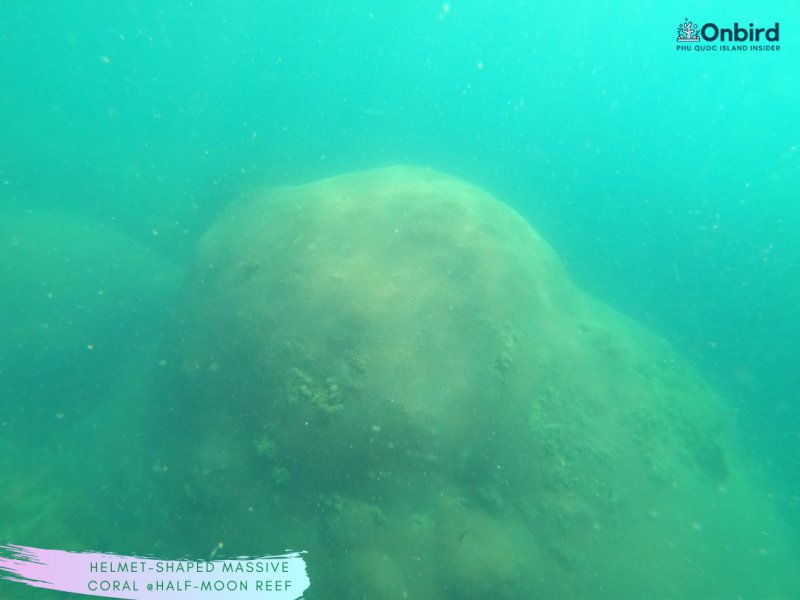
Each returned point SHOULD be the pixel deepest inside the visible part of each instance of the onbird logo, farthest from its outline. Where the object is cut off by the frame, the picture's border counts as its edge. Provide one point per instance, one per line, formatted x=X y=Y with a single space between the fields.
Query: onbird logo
x=687 y=32
x=741 y=37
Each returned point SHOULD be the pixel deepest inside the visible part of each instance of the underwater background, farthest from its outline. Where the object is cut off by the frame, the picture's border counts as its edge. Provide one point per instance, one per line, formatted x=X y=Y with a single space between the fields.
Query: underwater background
x=668 y=182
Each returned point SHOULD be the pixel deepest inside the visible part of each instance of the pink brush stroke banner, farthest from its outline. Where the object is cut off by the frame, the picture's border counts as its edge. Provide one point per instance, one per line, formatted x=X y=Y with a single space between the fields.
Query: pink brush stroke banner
x=280 y=577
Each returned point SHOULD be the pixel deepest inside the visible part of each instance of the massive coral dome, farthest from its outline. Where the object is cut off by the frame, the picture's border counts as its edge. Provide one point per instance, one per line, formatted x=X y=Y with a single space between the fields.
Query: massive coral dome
x=392 y=370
